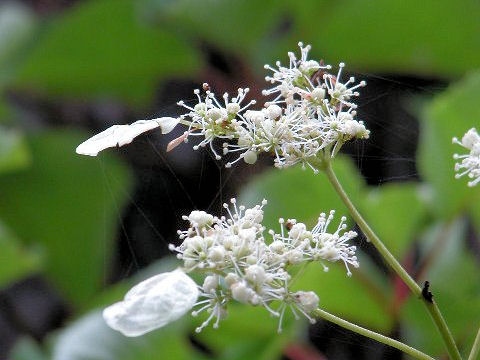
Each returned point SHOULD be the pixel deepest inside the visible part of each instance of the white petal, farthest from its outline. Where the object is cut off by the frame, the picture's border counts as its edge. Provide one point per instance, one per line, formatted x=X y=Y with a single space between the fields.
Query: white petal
x=153 y=303
x=119 y=135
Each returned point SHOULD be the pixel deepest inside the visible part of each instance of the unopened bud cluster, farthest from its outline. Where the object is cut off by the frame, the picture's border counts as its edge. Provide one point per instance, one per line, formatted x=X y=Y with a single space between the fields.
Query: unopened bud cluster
x=241 y=265
x=469 y=164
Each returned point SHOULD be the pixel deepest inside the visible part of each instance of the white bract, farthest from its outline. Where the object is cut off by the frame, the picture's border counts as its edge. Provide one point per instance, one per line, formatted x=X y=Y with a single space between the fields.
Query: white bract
x=469 y=164
x=119 y=135
x=310 y=116
x=153 y=303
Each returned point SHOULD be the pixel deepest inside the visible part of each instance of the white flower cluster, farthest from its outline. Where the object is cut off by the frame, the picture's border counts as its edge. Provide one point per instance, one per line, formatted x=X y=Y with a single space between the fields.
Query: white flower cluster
x=241 y=265
x=311 y=115
x=238 y=264
x=469 y=164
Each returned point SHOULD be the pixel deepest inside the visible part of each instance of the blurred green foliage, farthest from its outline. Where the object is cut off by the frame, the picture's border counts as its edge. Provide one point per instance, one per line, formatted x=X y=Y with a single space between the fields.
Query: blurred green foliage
x=73 y=221
x=103 y=49
x=59 y=212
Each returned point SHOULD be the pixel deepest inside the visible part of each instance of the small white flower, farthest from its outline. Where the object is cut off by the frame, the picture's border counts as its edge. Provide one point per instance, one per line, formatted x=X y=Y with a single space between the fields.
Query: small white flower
x=342 y=92
x=291 y=80
x=333 y=246
x=119 y=135
x=153 y=303
x=200 y=218
x=469 y=164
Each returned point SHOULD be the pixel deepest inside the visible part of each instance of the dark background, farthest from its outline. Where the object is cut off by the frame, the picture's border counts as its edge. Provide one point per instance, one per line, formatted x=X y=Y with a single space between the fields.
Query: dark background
x=56 y=76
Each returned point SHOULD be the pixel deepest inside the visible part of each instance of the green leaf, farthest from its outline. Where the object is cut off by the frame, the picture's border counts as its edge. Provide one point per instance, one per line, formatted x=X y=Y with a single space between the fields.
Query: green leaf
x=344 y=296
x=14 y=153
x=429 y=36
x=17 y=25
x=70 y=206
x=240 y=27
x=89 y=338
x=443 y=119
x=395 y=212
x=102 y=48
x=27 y=349
x=455 y=284
x=16 y=261
x=300 y=194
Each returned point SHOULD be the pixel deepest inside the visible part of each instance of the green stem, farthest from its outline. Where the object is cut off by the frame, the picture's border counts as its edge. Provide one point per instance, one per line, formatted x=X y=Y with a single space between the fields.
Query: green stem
x=372 y=335
x=395 y=265
x=475 y=348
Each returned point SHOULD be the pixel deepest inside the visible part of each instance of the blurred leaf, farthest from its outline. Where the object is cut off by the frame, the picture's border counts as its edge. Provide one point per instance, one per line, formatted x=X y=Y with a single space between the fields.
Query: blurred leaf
x=344 y=296
x=89 y=338
x=300 y=194
x=14 y=152
x=27 y=349
x=430 y=37
x=394 y=211
x=450 y=114
x=455 y=284
x=70 y=206
x=102 y=48
x=15 y=260
x=233 y=25
x=475 y=216
x=17 y=24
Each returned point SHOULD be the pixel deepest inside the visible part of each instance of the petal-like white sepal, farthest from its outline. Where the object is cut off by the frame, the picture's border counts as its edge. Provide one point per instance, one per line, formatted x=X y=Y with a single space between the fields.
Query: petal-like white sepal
x=153 y=303
x=119 y=135
x=167 y=124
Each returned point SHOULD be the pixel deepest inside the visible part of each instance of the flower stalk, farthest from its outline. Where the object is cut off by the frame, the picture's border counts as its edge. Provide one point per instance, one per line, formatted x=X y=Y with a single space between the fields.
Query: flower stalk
x=476 y=347
x=319 y=313
x=394 y=264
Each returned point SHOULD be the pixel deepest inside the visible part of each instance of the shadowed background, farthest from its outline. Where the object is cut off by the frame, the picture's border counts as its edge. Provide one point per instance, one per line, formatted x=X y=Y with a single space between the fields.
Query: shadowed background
x=77 y=232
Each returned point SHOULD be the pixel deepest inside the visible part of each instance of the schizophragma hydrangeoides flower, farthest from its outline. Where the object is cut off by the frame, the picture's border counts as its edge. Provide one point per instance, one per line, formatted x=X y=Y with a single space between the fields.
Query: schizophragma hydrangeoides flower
x=309 y=114
x=469 y=164
x=237 y=263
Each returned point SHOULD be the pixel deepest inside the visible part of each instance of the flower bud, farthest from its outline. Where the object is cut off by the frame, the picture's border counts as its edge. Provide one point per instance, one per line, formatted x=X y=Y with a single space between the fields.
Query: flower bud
x=308 y=300
x=250 y=157
x=318 y=94
x=241 y=292
x=233 y=108
x=200 y=218
x=274 y=111
x=256 y=274
x=231 y=279
x=216 y=254
x=210 y=283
